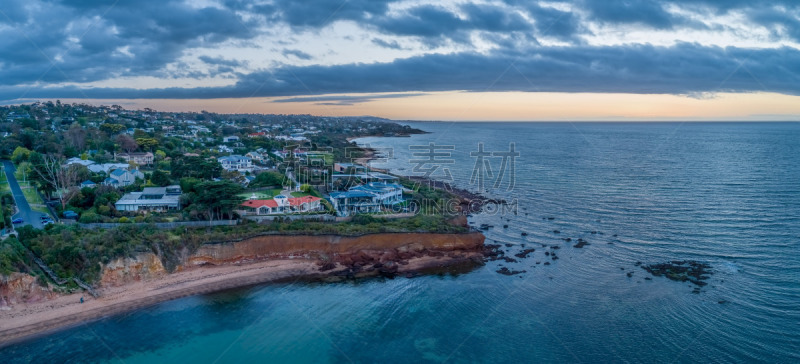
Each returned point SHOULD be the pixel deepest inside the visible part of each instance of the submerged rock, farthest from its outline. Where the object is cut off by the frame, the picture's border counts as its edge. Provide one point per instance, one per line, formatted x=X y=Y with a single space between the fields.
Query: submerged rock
x=681 y=271
x=508 y=272
x=524 y=254
x=581 y=243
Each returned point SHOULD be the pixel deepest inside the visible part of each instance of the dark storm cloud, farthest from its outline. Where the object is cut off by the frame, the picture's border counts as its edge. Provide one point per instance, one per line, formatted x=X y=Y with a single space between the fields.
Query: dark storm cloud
x=347 y=99
x=681 y=69
x=50 y=42
x=84 y=41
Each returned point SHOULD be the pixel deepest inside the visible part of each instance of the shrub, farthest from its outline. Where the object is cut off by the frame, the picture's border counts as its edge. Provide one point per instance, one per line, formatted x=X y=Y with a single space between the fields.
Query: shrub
x=89 y=217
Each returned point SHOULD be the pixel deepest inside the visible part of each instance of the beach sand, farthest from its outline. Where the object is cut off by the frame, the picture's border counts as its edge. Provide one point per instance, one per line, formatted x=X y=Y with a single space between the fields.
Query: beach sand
x=26 y=320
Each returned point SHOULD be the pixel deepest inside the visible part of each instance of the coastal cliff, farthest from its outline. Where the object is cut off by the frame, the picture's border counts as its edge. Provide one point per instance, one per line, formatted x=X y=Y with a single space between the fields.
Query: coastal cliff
x=332 y=248
x=19 y=288
x=143 y=266
x=351 y=256
x=385 y=254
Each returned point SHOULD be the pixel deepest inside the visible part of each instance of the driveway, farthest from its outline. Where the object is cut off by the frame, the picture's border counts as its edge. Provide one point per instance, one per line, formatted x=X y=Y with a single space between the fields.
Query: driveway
x=31 y=217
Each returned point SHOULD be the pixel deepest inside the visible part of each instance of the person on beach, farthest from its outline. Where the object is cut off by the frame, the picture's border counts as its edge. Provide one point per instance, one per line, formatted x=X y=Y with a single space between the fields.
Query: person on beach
x=81 y=299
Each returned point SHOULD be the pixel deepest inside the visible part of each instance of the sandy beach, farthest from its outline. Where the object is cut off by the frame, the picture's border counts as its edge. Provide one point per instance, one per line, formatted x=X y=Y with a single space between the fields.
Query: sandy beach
x=26 y=320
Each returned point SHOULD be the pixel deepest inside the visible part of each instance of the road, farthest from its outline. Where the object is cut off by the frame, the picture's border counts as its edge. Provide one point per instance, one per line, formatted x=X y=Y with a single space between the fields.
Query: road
x=31 y=217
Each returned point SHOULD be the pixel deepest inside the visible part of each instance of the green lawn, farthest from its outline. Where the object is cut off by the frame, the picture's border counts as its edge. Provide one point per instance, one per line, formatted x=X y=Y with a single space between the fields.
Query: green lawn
x=4 y=183
x=33 y=198
x=300 y=194
x=262 y=195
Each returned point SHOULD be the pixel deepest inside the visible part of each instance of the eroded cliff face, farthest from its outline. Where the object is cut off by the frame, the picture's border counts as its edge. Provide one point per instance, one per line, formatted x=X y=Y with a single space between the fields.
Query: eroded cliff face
x=143 y=266
x=338 y=249
x=336 y=255
x=22 y=288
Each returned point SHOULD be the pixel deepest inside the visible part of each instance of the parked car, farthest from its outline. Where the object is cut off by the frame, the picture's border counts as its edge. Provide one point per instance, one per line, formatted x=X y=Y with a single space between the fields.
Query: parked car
x=69 y=214
x=47 y=222
x=18 y=220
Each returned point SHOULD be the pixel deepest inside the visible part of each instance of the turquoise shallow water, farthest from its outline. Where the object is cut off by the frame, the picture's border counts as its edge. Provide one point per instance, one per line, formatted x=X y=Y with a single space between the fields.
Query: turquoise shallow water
x=727 y=194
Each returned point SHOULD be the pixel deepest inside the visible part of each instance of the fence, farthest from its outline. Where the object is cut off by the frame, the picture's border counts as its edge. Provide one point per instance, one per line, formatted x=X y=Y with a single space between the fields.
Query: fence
x=314 y=217
x=161 y=225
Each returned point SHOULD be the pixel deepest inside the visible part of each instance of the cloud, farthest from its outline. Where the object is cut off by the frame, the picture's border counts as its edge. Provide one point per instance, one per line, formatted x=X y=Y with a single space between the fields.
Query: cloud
x=386 y=44
x=221 y=61
x=297 y=53
x=339 y=100
x=47 y=47
x=681 y=69
x=85 y=41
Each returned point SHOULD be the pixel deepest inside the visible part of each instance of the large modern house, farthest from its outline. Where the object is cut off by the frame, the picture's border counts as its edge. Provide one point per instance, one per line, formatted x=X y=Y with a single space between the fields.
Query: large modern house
x=281 y=205
x=151 y=199
x=235 y=162
x=368 y=198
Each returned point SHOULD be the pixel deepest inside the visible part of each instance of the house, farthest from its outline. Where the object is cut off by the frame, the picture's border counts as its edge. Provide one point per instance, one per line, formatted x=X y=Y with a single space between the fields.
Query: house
x=157 y=199
x=385 y=193
x=138 y=158
x=354 y=202
x=122 y=177
x=88 y=184
x=235 y=162
x=224 y=149
x=256 y=157
x=229 y=139
x=368 y=198
x=106 y=167
x=281 y=205
x=347 y=167
x=76 y=160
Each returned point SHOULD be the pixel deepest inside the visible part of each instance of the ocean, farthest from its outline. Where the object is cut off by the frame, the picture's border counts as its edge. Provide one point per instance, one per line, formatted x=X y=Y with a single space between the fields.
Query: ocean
x=725 y=194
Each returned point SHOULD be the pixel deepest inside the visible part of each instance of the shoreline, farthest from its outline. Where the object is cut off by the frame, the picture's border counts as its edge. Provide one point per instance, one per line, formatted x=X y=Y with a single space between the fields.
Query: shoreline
x=29 y=321
x=472 y=201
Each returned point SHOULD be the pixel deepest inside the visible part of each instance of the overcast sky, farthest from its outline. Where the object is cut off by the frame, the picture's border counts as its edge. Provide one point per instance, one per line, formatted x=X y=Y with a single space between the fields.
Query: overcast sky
x=516 y=58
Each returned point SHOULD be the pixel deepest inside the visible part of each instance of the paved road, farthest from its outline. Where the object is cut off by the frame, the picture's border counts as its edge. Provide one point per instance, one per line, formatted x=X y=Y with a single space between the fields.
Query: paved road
x=31 y=217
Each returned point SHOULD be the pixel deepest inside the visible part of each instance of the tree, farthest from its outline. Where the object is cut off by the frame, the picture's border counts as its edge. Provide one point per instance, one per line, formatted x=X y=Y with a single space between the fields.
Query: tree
x=217 y=199
x=269 y=179
x=197 y=167
x=127 y=143
x=147 y=143
x=76 y=136
x=159 y=178
x=61 y=179
x=111 y=128
x=20 y=154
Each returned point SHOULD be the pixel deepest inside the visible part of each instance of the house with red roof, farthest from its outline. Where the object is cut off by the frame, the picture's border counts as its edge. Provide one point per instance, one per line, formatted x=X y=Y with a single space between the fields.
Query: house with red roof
x=281 y=205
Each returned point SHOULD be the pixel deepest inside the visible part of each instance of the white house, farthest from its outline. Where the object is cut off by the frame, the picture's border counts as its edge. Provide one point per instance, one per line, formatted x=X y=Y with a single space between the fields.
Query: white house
x=236 y=163
x=229 y=139
x=368 y=198
x=151 y=199
x=122 y=177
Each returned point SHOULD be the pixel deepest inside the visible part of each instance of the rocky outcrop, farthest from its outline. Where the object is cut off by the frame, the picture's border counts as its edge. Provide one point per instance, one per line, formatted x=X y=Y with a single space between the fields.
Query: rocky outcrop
x=122 y=271
x=22 y=288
